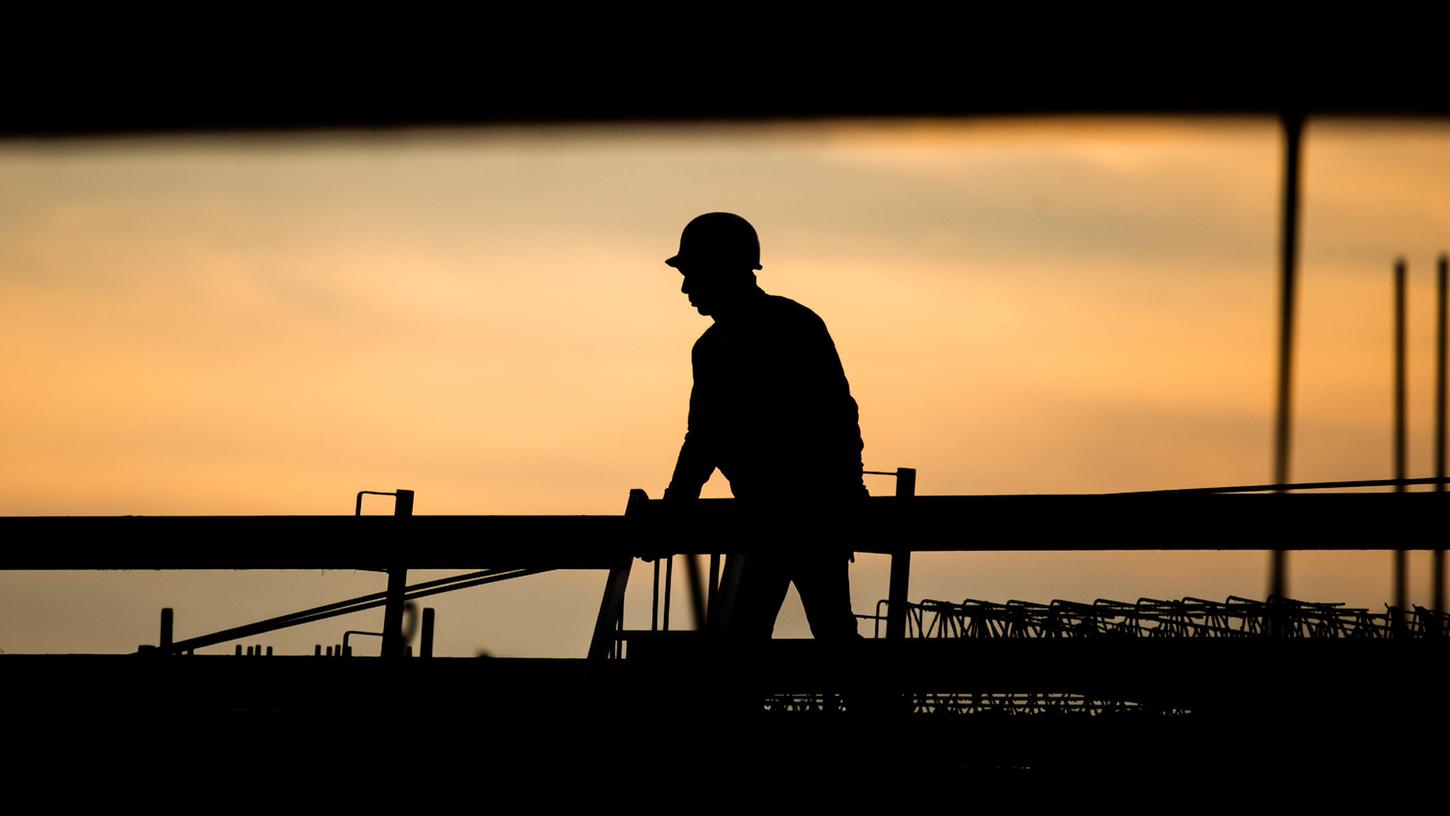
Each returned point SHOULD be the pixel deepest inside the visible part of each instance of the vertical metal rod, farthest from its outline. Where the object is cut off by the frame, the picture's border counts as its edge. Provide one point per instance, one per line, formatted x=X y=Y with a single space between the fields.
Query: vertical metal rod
x=425 y=647
x=717 y=621
x=167 y=618
x=397 y=585
x=714 y=583
x=897 y=593
x=611 y=612
x=669 y=584
x=1401 y=557
x=654 y=606
x=697 y=589
x=1437 y=564
x=605 y=641
x=1293 y=125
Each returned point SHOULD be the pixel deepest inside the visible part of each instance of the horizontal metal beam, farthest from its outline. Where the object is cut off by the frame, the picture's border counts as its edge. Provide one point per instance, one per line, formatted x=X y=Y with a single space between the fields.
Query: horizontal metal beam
x=926 y=72
x=311 y=542
x=1025 y=523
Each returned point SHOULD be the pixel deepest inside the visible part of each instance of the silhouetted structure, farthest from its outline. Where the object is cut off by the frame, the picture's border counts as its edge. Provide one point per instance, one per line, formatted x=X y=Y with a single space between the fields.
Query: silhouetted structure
x=1350 y=690
x=987 y=689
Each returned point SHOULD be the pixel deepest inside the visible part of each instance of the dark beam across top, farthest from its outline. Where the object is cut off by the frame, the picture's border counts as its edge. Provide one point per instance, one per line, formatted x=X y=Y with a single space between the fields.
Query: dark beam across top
x=1030 y=523
x=539 y=72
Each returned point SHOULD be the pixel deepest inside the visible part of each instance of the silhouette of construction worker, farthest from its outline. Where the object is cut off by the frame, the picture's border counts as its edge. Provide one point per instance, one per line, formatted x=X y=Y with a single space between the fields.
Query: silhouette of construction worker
x=771 y=409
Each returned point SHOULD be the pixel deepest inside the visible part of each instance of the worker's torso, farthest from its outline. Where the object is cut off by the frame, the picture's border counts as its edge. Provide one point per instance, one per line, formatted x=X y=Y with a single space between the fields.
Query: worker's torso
x=777 y=396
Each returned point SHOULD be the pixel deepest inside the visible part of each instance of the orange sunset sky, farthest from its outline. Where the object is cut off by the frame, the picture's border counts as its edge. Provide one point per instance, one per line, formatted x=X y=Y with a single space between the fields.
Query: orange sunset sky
x=267 y=324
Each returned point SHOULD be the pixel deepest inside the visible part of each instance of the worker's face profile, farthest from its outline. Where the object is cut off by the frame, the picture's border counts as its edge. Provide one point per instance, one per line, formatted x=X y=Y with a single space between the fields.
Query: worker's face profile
x=702 y=286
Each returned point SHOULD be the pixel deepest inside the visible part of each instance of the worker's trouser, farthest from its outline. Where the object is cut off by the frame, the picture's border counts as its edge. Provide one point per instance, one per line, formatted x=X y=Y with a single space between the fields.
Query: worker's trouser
x=764 y=577
x=800 y=539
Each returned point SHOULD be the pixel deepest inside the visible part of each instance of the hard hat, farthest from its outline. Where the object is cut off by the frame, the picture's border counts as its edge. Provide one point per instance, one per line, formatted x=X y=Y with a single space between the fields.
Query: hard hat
x=718 y=239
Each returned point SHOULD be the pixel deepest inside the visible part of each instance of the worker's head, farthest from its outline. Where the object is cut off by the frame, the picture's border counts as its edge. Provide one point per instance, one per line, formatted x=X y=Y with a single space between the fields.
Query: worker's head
x=719 y=253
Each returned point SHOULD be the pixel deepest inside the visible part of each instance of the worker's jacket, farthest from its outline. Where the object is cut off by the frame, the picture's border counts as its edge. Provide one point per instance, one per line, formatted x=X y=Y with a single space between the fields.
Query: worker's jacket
x=772 y=409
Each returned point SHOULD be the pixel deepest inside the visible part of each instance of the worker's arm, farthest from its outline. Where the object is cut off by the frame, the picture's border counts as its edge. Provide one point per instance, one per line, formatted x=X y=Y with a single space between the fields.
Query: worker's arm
x=698 y=456
x=826 y=396
x=692 y=471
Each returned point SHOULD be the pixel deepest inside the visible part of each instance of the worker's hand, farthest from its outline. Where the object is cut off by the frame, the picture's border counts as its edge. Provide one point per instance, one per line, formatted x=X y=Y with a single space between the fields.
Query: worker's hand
x=674 y=501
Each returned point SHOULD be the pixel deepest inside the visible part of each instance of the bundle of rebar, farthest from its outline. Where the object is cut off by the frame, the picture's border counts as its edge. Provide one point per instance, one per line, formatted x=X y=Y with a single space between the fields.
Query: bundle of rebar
x=1153 y=618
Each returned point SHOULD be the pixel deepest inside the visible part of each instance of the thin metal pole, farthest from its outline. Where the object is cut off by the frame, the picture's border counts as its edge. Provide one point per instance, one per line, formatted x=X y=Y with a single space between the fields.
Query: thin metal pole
x=714 y=581
x=669 y=584
x=1437 y=564
x=897 y=590
x=167 y=619
x=425 y=648
x=397 y=586
x=611 y=611
x=1280 y=488
x=697 y=589
x=654 y=606
x=351 y=605
x=1293 y=125
x=1401 y=557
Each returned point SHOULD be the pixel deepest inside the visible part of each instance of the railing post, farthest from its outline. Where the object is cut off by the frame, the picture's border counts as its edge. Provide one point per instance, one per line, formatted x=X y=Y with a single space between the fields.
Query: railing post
x=712 y=584
x=654 y=608
x=167 y=618
x=611 y=606
x=397 y=584
x=425 y=647
x=900 y=561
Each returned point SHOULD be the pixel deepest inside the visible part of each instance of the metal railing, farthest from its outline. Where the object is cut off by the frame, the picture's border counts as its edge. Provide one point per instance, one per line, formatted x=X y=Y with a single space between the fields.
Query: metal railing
x=497 y=548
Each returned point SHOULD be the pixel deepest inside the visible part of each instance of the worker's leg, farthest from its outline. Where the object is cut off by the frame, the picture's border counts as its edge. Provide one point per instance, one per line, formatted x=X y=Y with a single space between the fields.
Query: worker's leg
x=764 y=580
x=825 y=588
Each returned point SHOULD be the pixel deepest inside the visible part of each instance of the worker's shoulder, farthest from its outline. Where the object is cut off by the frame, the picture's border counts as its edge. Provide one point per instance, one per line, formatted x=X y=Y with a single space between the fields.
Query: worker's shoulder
x=793 y=322
x=788 y=309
